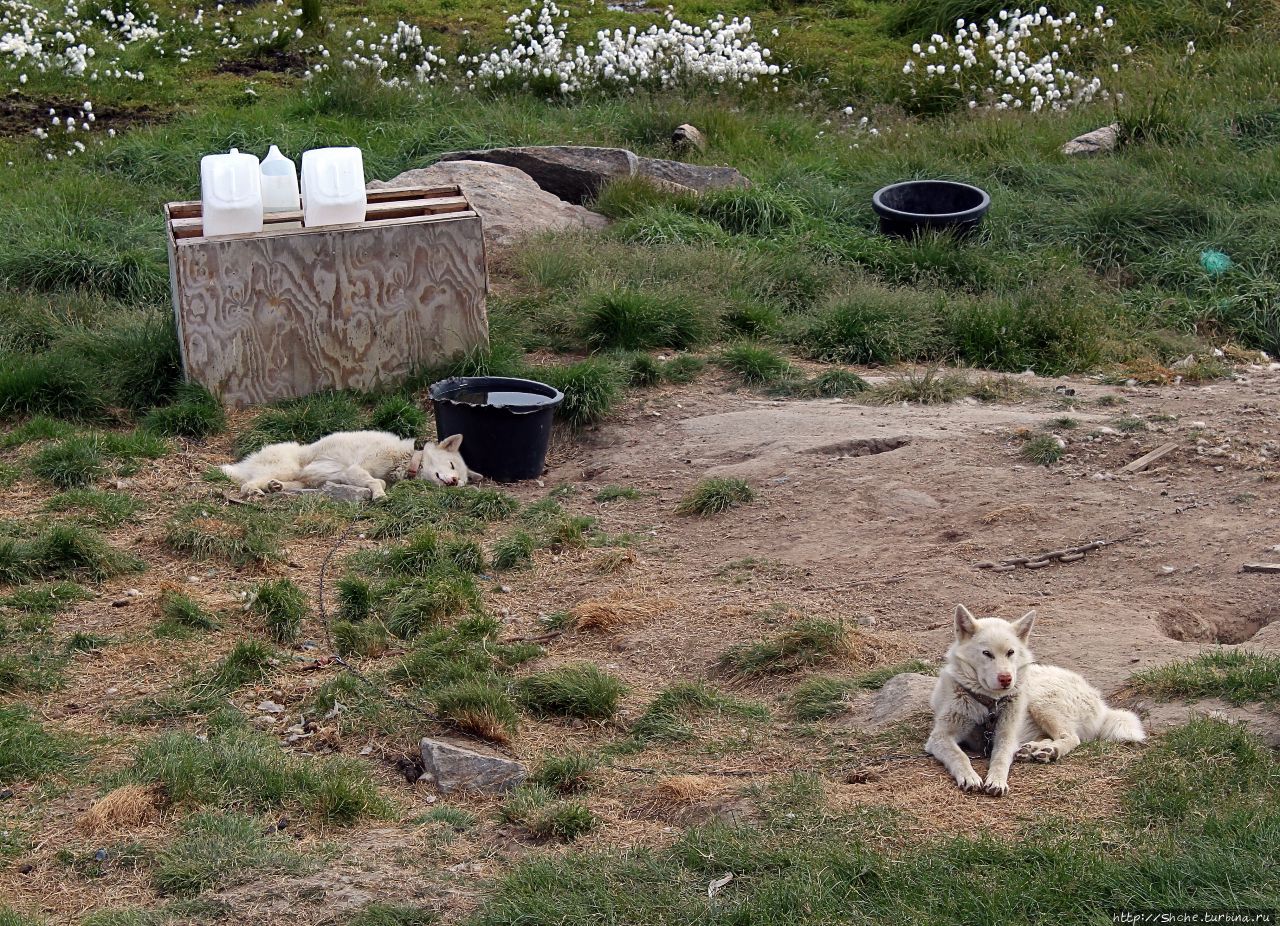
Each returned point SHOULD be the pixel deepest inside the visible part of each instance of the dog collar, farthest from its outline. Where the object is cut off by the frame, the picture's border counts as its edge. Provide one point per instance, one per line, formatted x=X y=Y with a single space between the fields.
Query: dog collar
x=412 y=471
x=990 y=703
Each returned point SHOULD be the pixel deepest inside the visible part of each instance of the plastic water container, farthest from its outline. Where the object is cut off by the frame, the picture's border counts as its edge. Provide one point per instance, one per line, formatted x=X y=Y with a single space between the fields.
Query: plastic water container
x=333 y=186
x=230 y=194
x=279 y=183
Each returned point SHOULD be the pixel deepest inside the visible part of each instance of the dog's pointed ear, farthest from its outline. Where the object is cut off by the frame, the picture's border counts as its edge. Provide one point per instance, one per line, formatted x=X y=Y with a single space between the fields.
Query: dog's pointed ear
x=451 y=443
x=1022 y=626
x=965 y=625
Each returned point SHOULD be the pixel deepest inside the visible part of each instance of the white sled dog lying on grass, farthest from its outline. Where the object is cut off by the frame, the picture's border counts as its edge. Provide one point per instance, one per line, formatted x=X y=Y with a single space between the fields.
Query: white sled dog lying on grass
x=993 y=697
x=369 y=459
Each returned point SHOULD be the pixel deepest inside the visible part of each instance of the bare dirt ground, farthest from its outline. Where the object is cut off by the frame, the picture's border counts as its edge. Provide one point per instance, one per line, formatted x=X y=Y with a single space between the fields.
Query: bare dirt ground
x=873 y=515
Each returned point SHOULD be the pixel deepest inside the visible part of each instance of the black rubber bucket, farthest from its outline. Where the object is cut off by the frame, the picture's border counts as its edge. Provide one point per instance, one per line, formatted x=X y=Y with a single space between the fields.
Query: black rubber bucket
x=907 y=209
x=505 y=423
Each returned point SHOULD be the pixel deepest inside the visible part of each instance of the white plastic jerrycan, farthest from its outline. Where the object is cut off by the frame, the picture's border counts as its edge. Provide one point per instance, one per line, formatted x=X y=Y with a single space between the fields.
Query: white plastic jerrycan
x=279 y=183
x=332 y=186
x=230 y=194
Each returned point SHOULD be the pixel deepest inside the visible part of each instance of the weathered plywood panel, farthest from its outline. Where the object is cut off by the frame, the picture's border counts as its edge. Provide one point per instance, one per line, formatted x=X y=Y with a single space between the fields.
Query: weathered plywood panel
x=275 y=316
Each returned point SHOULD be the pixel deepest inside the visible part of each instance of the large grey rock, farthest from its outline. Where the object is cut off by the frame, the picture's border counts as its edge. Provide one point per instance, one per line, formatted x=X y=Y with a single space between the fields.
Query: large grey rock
x=576 y=173
x=1095 y=142
x=454 y=766
x=510 y=204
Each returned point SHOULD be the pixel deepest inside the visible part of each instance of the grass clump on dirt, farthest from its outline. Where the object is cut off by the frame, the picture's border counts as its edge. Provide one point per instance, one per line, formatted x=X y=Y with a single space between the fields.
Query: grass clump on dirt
x=302 y=420
x=236 y=768
x=1239 y=676
x=203 y=692
x=29 y=752
x=513 y=551
x=1043 y=449
x=668 y=717
x=241 y=536
x=633 y=319
x=591 y=389
x=807 y=643
x=933 y=386
x=98 y=509
x=281 y=606
x=829 y=384
x=565 y=774
x=754 y=364
x=400 y=416
x=823 y=696
x=217 y=850
x=83 y=459
x=383 y=914
x=479 y=706
x=180 y=614
x=618 y=493
x=581 y=690
x=716 y=495
x=194 y=412
x=45 y=599
x=413 y=504
x=536 y=809
x=62 y=551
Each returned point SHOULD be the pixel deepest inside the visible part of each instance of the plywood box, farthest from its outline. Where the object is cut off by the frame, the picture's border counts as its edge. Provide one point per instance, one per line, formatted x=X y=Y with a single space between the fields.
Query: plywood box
x=289 y=311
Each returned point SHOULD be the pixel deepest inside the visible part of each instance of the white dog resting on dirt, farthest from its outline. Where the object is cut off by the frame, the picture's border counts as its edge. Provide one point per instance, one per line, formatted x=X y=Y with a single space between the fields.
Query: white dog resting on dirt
x=993 y=697
x=369 y=459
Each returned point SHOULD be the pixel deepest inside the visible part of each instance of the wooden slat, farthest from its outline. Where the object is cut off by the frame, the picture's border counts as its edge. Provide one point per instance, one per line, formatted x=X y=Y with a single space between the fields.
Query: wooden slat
x=185 y=237
x=1272 y=568
x=1147 y=459
x=185 y=225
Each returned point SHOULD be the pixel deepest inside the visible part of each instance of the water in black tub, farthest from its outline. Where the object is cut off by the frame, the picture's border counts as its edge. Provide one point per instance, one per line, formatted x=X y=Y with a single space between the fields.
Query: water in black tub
x=501 y=398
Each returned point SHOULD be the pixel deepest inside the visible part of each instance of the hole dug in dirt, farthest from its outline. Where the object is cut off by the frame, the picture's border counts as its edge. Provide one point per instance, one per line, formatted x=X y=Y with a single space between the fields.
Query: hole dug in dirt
x=1188 y=625
x=861 y=447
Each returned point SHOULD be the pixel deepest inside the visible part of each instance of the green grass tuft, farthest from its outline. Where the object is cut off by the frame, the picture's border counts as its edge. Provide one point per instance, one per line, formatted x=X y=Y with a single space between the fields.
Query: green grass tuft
x=618 y=493
x=536 y=809
x=99 y=509
x=238 y=535
x=301 y=420
x=713 y=496
x=216 y=850
x=668 y=716
x=633 y=319
x=281 y=606
x=45 y=599
x=804 y=644
x=400 y=416
x=580 y=690
x=1239 y=676
x=754 y=364
x=194 y=412
x=63 y=551
x=384 y=914
x=565 y=774
x=180 y=612
x=591 y=389
x=1043 y=449
x=479 y=706
x=930 y=387
x=822 y=696
x=28 y=752
x=513 y=551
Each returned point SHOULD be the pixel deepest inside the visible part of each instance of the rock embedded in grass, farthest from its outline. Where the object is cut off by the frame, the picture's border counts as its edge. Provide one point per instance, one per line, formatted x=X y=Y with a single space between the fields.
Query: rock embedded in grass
x=455 y=766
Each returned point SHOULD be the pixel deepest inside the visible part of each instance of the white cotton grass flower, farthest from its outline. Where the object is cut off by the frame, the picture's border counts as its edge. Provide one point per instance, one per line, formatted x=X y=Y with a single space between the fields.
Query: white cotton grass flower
x=1024 y=54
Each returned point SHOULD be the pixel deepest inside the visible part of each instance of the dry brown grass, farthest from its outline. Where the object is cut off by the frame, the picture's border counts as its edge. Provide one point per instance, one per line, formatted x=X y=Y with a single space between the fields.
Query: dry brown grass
x=613 y=560
x=684 y=789
x=127 y=806
x=1014 y=514
x=619 y=609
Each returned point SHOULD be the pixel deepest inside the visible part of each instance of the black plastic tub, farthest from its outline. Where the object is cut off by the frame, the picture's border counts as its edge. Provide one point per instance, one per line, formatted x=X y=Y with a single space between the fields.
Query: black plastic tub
x=505 y=423
x=907 y=209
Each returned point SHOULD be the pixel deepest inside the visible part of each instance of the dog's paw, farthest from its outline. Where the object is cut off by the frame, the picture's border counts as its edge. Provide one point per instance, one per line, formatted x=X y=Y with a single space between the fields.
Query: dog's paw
x=970 y=782
x=378 y=487
x=996 y=788
x=275 y=485
x=1037 y=752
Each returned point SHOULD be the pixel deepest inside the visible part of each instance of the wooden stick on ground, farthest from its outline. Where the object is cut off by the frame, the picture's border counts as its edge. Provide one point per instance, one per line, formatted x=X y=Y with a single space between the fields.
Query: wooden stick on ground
x=1144 y=461
x=1273 y=568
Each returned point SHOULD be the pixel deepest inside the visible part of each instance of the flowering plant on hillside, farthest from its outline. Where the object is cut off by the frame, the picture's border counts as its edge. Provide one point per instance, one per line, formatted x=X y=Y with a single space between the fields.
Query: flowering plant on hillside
x=1017 y=60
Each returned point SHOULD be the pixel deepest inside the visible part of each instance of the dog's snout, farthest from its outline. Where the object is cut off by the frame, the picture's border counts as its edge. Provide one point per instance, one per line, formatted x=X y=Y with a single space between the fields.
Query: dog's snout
x=1005 y=679
x=449 y=480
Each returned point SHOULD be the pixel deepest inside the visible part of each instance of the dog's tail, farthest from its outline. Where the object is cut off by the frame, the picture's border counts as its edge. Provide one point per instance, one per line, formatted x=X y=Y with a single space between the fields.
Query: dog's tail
x=232 y=470
x=1121 y=727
